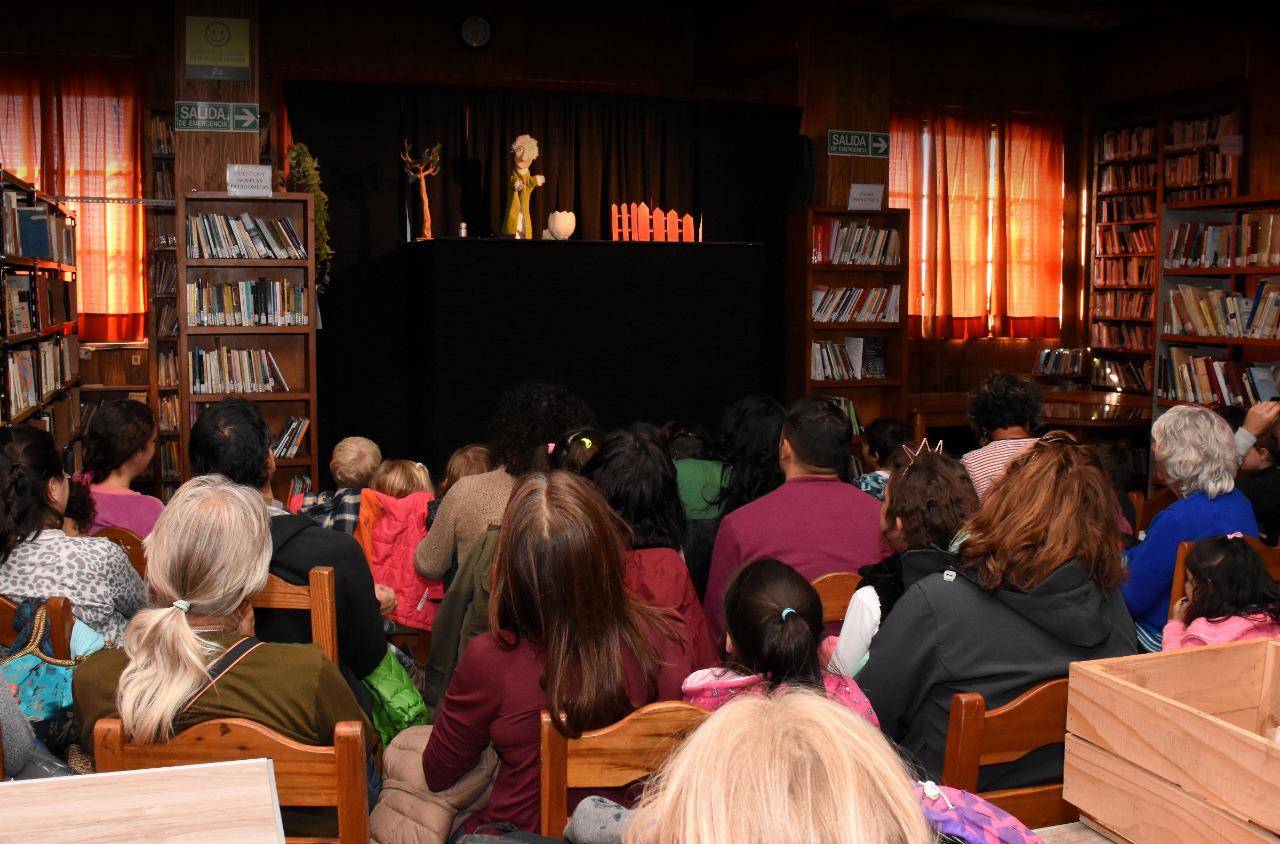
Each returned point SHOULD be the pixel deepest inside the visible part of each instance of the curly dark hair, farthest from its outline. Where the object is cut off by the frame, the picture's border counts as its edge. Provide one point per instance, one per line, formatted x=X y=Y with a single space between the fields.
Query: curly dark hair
x=118 y=431
x=231 y=438
x=637 y=476
x=29 y=459
x=749 y=435
x=1005 y=400
x=530 y=416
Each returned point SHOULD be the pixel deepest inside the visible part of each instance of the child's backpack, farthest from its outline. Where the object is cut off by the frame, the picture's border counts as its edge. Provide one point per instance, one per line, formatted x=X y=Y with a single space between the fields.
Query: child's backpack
x=963 y=818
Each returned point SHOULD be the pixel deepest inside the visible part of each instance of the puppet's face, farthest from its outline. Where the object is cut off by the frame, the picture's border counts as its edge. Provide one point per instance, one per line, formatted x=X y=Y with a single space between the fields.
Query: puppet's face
x=523 y=156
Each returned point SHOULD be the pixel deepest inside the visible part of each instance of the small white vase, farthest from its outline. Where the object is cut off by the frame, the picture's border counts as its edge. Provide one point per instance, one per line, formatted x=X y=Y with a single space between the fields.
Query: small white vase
x=561 y=224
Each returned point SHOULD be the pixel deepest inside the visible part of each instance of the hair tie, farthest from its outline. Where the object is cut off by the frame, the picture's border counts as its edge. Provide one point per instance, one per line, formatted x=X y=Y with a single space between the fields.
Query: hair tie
x=1236 y=535
x=551 y=447
x=586 y=442
x=787 y=611
x=181 y=605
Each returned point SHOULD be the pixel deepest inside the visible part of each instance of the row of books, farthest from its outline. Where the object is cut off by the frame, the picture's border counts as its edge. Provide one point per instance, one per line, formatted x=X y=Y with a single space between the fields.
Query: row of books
x=1112 y=303
x=835 y=242
x=160 y=230
x=164 y=276
x=50 y=371
x=1135 y=338
x=856 y=304
x=163 y=186
x=36 y=231
x=1189 y=134
x=1122 y=272
x=1127 y=143
x=1067 y=362
x=1124 y=375
x=1115 y=240
x=846 y=404
x=853 y=359
x=222 y=370
x=161 y=135
x=167 y=321
x=1255 y=242
x=1204 y=378
x=170 y=461
x=1219 y=191
x=300 y=485
x=1210 y=312
x=260 y=302
x=167 y=369
x=1128 y=176
x=23 y=390
x=1201 y=165
x=254 y=238
x=1131 y=208
x=19 y=303
x=290 y=440
x=168 y=415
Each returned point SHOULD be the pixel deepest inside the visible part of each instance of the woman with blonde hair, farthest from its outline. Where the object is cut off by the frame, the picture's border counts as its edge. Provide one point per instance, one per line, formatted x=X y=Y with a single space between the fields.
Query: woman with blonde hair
x=1195 y=453
x=788 y=767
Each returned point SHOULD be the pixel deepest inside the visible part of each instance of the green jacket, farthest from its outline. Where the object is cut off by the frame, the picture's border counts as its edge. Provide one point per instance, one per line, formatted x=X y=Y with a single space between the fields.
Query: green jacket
x=462 y=615
x=397 y=703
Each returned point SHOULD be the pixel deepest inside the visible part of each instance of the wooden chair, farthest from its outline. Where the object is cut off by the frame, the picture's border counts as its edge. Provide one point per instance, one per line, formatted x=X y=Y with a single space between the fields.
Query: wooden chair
x=1152 y=506
x=305 y=775
x=131 y=543
x=317 y=597
x=611 y=757
x=1138 y=500
x=57 y=611
x=1270 y=561
x=836 y=591
x=976 y=737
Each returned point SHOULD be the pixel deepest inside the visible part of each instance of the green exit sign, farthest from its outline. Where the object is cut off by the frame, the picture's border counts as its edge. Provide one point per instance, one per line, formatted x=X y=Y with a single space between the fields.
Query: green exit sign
x=190 y=116
x=858 y=143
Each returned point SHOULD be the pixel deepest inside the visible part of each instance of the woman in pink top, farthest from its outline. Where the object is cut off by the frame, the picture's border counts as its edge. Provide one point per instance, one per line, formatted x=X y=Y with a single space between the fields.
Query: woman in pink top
x=773 y=621
x=1229 y=597
x=119 y=446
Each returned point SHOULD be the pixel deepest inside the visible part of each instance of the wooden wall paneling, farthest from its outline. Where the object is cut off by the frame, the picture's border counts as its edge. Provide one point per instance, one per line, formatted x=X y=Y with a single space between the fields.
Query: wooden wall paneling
x=942 y=366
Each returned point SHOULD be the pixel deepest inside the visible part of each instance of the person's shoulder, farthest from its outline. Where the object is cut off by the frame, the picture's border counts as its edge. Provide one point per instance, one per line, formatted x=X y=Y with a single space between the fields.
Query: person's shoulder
x=102 y=666
x=99 y=547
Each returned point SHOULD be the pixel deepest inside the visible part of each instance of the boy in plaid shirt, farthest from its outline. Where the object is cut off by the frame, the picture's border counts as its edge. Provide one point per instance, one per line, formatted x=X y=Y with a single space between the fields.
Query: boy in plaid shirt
x=352 y=465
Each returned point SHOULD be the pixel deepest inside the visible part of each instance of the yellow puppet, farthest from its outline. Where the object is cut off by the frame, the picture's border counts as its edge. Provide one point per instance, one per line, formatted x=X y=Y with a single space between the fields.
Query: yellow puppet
x=518 y=222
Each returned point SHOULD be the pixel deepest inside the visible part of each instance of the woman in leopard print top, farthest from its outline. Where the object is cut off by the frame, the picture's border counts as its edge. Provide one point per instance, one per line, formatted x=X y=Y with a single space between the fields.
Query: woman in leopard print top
x=37 y=560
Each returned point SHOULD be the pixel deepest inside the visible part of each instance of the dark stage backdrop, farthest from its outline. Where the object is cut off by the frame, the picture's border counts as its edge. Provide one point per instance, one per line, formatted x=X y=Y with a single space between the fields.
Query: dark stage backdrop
x=734 y=166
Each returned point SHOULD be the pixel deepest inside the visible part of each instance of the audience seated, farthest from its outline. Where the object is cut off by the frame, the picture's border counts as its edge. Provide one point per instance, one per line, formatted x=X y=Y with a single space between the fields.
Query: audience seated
x=529 y=418
x=463 y=463
x=814 y=522
x=352 y=465
x=37 y=559
x=231 y=438
x=210 y=552
x=1259 y=477
x=1034 y=591
x=774 y=630
x=926 y=504
x=881 y=451
x=699 y=476
x=1194 y=453
x=637 y=477
x=1229 y=597
x=1004 y=410
x=564 y=636
x=119 y=446
x=393 y=521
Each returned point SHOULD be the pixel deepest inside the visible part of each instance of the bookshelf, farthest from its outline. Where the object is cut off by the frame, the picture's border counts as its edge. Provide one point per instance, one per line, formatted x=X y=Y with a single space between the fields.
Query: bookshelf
x=1139 y=168
x=1217 y=322
x=227 y=358
x=162 y=274
x=842 y=280
x=40 y=328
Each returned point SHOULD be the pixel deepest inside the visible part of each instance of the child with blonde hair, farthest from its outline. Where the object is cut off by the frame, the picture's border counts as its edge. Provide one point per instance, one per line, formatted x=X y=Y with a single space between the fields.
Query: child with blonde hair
x=393 y=520
x=352 y=465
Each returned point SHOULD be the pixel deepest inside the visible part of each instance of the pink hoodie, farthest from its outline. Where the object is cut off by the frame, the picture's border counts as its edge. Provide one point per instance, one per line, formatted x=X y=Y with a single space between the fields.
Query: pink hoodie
x=390 y=529
x=1219 y=631
x=711 y=688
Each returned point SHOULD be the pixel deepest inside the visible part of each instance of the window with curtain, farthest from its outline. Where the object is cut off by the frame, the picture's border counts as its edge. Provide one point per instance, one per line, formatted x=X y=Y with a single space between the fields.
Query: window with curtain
x=75 y=131
x=986 y=200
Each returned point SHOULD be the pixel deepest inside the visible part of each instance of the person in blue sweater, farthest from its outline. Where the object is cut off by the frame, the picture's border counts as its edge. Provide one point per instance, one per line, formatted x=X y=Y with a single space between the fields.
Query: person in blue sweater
x=1195 y=453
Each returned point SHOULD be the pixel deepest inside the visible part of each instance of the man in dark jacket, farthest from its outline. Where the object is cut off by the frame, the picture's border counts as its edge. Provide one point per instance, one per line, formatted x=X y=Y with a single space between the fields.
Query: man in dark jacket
x=231 y=438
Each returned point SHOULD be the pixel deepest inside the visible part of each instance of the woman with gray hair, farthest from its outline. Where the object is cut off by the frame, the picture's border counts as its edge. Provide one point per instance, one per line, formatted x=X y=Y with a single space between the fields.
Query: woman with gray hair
x=1195 y=455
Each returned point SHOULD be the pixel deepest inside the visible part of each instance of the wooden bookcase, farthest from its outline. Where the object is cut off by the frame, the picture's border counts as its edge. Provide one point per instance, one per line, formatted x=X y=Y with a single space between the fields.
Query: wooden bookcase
x=1239 y=280
x=293 y=347
x=46 y=350
x=1139 y=168
x=869 y=397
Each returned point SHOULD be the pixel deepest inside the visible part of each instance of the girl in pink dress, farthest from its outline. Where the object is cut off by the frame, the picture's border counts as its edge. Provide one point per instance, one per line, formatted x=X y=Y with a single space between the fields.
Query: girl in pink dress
x=119 y=446
x=773 y=621
x=1229 y=597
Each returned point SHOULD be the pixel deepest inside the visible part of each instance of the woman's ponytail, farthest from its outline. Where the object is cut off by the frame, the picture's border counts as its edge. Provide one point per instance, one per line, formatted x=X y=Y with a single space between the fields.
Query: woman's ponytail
x=166 y=667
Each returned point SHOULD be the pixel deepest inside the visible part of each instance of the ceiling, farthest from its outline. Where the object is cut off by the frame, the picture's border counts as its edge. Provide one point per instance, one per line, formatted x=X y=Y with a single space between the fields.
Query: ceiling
x=1067 y=15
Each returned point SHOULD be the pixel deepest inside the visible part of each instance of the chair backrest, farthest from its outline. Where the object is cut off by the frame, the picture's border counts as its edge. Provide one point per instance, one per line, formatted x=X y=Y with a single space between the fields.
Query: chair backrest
x=1138 y=500
x=131 y=543
x=57 y=611
x=610 y=757
x=317 y=597
x=836 y=591
x=305 y=775
x=1270 y=562
x=976 y=737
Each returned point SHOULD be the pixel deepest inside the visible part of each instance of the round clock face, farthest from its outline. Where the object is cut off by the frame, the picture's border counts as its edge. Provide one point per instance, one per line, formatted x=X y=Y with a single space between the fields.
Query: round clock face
x=476 y=32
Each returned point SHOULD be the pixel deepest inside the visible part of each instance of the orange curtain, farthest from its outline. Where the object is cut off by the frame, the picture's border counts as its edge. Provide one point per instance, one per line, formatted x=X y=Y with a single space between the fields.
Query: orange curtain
x=1033 y=186
x=76 y=131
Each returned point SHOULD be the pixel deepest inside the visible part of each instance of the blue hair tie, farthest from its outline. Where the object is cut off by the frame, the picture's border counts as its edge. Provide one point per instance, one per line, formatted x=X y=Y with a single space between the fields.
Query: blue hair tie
x=786 y=611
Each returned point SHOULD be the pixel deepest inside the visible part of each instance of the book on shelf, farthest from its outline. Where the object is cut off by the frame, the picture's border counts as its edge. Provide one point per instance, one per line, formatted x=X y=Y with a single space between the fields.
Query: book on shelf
x=1202 y=165
x=1122 y=272
x=50 y=369
x=36 y=231
x=1068 y=362
x=1114 y=303
x=246 y=303
x=221 y=370
x=168 y=415
x=836 y=242
x=1128 y=143
x=1132 y=208
x=22 y=380
x=286 y=445
x=1203 y=311
x=70 y=352
x=1191 y=375
x=164 y=276
x=160 y=230
x=856 y=304
x=228 y=236
x=167 y=369
x=170 y=459
x=1221 y=190
x=1182 y=135
x=1139 y=176
x=167 y=321
x=873 y=357
x=20 y=303
x=1254 y=242
x=853 y=359
x=846 y=404
x=161 y=135
x=1135 y=338
x=1124 y=375
x=163 y=187
x=1125 y=240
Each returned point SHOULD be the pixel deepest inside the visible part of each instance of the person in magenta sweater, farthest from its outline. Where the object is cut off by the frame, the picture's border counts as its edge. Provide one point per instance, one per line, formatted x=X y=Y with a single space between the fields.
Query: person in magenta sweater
x=564 y=637
x=1229 y=597
x=119 y=446
x=815 y=522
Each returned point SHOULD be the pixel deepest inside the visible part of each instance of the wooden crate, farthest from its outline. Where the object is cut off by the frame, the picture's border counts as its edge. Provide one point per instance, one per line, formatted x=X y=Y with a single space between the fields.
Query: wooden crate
x=1179 y=745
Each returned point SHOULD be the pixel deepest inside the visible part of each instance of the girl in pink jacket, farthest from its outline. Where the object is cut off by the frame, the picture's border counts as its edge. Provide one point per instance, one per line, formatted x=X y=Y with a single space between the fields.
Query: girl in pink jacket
x=773 y=626
x=1229 y=597
x=393 y=520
